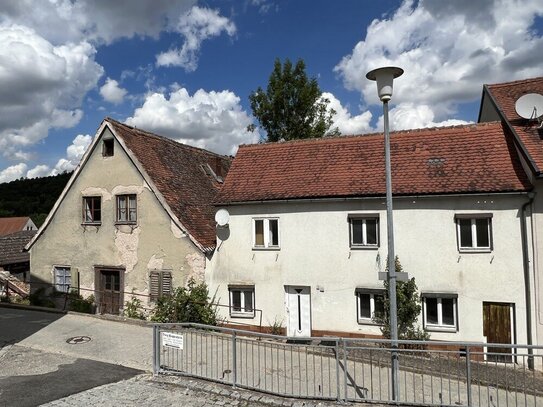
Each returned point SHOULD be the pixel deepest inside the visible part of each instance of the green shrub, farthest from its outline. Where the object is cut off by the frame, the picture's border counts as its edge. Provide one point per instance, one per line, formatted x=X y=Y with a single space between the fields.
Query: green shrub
x=79 y=304
x=190 y=304
x=134 y=309
x=40 y=299
x=276 y=327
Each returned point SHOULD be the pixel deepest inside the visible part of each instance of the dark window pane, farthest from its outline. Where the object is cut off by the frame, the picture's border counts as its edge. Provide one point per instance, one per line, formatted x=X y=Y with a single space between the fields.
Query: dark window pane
x=379 y=305
x=365 y=310
x=259 y=232
x=431 y=311
x=107 y=149
x=357 y=231
x=465 y=233
x=236 y=300
x=447 y=309
x=248 y=301
x=371 y=231
x=274 y=232
x=97 y=209
x=483 y=238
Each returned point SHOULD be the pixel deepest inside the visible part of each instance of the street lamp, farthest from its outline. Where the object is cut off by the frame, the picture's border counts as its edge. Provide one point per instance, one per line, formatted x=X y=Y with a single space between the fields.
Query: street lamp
x=384 y=78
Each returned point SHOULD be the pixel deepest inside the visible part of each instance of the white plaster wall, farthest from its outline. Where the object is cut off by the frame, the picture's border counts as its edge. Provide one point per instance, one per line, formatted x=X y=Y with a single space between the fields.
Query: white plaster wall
x=154 y=243
x=314 y=240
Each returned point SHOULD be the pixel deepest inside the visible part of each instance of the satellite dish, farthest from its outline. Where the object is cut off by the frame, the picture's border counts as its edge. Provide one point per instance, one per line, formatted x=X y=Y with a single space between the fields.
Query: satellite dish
x=530 y=106
x=222 y=217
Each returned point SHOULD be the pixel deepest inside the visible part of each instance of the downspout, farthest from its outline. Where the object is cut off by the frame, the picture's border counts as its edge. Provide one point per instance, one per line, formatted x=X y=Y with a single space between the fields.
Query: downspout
x=526 y=266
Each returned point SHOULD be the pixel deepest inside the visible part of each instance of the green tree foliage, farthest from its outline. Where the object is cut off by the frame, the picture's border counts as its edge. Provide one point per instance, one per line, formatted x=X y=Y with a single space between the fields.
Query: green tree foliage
x=31 y=197
x=190 y=304
x=292 y=106
x=408 y=304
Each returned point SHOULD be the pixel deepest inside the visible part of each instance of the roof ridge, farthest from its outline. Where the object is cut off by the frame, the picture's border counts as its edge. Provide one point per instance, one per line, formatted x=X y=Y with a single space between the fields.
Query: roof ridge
x=518 y=81
x=163 y=138
x=328 y=139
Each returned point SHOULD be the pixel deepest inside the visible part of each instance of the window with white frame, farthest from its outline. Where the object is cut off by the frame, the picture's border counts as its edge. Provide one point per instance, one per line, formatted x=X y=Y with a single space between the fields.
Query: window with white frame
x=266 y=233
x=63 y=278
x=127 y=209
x=440 y=312
x=474 y=232
x=370 y=303
x=364 y=231
x=242 y=301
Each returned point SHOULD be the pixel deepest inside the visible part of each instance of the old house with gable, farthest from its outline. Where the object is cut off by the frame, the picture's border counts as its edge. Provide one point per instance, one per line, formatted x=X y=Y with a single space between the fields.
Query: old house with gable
x=135 y=217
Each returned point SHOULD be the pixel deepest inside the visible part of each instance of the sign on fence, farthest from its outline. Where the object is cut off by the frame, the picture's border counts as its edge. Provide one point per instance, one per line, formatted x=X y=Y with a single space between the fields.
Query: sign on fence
x=172 y=340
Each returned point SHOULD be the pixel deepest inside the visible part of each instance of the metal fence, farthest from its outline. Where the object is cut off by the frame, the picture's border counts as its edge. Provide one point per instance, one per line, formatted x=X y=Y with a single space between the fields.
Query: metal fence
x=354 y=370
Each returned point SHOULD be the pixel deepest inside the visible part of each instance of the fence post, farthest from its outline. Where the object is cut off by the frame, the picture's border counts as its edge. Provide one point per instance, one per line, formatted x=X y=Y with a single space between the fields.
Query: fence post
x=156 y=349
x=234 y=361
x=345 y=368
x=468 y=375
x=338 y=387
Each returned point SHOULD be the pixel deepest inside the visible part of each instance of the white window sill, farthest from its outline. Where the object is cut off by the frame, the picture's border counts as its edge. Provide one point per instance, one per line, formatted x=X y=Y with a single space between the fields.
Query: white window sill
x=271 y=248
x=367 y=321
x=245 y=315
x=440 y=328
x=364 y=247
x=475 y=250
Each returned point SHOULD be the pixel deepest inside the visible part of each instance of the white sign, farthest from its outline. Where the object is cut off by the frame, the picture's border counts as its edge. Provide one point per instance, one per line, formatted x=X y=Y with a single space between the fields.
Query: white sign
x=172 y=340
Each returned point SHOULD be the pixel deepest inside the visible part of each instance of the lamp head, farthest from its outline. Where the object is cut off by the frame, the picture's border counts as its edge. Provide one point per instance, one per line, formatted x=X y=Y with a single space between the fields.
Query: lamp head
x=384 y=78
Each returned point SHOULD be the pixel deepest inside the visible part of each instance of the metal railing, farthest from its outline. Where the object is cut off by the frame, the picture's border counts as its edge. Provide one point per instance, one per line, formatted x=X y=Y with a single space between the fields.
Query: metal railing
x=354 y=370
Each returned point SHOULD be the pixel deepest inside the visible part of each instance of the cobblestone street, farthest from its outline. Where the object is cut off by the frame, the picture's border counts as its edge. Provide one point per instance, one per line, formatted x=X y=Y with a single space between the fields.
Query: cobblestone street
x=145 y=390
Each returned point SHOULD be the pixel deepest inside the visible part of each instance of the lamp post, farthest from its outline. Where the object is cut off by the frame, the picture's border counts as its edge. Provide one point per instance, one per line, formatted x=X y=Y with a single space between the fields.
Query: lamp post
x=384 y=78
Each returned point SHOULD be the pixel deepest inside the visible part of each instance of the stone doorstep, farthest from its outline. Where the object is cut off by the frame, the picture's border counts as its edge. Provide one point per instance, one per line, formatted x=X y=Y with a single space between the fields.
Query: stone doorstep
x=254 y=397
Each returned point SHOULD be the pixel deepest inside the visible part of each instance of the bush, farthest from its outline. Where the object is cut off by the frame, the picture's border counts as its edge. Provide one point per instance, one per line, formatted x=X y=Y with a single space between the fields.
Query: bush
x=79 y=304
x=276 y=327
x=190 y=304
x=134 y=309
x=39 y=299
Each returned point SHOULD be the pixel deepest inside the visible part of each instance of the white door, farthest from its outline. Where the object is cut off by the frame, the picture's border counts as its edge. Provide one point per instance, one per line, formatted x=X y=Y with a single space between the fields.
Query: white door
x=298 y=302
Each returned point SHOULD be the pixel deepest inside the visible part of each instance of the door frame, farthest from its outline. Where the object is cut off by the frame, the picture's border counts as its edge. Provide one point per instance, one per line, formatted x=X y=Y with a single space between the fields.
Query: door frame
x=97 y=287
x=294 y=286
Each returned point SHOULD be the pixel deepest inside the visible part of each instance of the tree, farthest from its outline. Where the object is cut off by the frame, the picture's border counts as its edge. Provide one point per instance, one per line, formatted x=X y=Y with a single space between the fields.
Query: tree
x=292 y=107
x=408 y=304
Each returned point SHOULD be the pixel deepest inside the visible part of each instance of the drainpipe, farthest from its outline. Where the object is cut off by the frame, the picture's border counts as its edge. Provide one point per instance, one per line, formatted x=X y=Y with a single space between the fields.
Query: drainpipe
x=526 y=266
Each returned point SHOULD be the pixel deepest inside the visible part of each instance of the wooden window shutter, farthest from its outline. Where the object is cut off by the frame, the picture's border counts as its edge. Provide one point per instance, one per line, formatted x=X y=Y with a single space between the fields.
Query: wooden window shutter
x=166 y=283
x=154 y=285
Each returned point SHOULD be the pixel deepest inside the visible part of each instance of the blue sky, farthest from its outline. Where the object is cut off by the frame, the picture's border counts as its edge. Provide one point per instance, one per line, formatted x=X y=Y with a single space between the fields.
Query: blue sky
x=184 y=69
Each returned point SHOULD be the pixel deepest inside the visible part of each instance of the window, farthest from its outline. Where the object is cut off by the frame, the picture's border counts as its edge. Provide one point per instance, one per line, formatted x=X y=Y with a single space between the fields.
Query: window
x=92 y=209
x=63 y=278
x=474 y=233
x=107 y=147
x=364 y=231
x=266 y=233
x=440 y=312
x=160 y=284
x=370 y=302
x=242 y=301
x=126 y=209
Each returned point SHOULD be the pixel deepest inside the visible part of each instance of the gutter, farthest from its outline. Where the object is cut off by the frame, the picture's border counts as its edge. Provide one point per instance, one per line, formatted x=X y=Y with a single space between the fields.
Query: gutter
x=526 y=267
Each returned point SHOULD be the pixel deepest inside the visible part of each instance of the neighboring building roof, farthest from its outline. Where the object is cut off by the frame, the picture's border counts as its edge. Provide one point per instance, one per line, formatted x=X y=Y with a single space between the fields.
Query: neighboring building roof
x=184 y=179
x=11 y=247
x=179 y=173
x=12 y=225
x=477 y=158
x=504 y=96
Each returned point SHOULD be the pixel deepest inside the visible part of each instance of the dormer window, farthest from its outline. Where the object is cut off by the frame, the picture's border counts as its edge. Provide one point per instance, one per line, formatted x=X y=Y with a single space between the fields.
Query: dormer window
x=107 y=148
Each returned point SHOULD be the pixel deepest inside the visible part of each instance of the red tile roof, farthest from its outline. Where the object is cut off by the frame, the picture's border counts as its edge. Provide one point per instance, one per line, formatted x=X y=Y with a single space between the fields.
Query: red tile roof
x=176 y=170
x=461 y=159
x=505 y=95
x=12 y=225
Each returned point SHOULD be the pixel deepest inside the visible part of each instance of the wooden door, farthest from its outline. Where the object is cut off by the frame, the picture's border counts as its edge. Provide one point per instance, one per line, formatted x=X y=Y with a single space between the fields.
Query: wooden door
x=497 y=329
x=110 y=291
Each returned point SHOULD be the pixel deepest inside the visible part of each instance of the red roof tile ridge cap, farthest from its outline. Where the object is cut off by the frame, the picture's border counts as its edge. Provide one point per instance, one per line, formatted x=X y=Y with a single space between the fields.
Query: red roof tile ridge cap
x=163 y=138
x=329 y=139
x=517 y=82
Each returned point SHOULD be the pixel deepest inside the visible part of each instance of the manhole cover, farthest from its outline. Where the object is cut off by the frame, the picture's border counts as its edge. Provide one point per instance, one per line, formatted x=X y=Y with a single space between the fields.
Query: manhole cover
x=76 y=340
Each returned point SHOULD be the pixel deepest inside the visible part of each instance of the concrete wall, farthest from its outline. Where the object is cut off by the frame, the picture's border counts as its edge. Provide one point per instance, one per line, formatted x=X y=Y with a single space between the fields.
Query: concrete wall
x=315 y=252
x=154 y=243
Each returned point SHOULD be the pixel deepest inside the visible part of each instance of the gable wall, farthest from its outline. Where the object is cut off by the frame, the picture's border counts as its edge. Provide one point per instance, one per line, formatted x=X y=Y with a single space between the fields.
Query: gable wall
x=155 y=243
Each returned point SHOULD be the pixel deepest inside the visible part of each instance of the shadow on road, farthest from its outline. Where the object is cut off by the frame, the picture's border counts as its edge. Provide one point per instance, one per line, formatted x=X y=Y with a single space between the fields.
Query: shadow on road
x=16 y=324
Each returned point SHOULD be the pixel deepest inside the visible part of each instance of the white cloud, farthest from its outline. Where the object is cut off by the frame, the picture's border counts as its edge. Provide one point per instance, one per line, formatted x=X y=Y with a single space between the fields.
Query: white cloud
x=41 y=86
x=74 y=153
x=211 y=120
x=39 y=171
x=111 y=92
x=448 y=50
x=12 y=173
x=195 y=26
x=344 y=121
x=410 y=116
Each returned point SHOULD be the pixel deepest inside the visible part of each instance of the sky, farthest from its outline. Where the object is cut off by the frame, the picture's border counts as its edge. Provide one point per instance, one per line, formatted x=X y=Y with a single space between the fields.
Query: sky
x=184 y=68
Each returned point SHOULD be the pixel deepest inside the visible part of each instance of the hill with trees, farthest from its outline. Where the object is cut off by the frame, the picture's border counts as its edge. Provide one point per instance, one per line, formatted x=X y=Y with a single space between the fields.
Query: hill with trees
x=31 y=197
